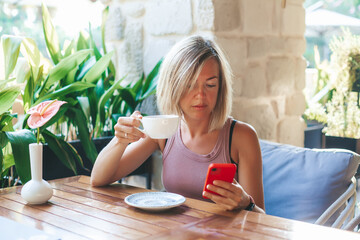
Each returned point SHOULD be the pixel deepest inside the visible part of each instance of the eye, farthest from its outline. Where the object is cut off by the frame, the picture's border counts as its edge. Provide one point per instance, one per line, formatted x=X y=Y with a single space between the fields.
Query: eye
x=211 y=85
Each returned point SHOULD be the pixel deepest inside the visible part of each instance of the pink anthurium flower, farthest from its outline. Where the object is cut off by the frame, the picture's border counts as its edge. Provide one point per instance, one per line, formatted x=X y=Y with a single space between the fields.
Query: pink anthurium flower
x=42 y=113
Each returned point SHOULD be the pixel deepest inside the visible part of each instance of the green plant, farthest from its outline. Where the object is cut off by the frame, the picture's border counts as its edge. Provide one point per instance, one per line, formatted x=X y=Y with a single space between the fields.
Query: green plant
x=46 y=81
x=8 y=96
x=78 y=73
x=340 y=111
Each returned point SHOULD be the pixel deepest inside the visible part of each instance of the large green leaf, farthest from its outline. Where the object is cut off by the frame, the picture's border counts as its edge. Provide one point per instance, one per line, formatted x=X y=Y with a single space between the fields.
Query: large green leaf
x=58 y=94
x=51 y=37
x=70 y=78
x=5 y=122
x=39 y=83
x=105 y=97
x=93 y=45
x=8 y=161
x=3 y=140
x=82 y=41
x=32 y=53
x=4 y=83
x=8 y=97
x=84 y=135
x=129 y=97
x=85 y=106
x=88 y=64
x=100 y=66
x=93 y=100
x=105 y=15
x=61 y=149
x=137 y=86
x=22 y=74
x=151 y=81
x=69 y=48
x=66 y=65
x=11 y=47
x=20 y=141
x=1 y=163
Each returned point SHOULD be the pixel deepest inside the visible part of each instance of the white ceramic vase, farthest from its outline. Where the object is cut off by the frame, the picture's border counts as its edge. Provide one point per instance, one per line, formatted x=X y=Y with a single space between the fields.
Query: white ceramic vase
x=37 y=190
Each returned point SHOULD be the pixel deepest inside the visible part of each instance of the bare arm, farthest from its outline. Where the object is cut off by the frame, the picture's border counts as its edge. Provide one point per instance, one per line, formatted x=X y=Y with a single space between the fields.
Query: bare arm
x=247 y=149
x=246 y=152
x=124 y=153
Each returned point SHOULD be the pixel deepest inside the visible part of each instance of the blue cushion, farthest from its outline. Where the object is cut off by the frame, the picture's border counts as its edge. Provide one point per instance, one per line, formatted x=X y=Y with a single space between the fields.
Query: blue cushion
x=301 y=183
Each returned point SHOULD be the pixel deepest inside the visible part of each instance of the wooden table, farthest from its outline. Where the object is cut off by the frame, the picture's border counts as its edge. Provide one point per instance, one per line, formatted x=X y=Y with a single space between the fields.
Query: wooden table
x=79 y=211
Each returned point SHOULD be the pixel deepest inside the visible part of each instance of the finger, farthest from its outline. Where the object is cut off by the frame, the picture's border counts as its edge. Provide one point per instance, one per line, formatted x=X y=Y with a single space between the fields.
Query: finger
x=231 y=195
x=129 y=125
x=225 y=192
x=232 y=187
x=221 y=201
x=128 y=132
x=136 y=114
x=126 y=138
x=129 y=121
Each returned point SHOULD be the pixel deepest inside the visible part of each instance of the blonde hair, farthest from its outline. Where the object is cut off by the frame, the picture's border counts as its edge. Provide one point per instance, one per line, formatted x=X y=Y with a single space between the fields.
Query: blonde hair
x=181 y=68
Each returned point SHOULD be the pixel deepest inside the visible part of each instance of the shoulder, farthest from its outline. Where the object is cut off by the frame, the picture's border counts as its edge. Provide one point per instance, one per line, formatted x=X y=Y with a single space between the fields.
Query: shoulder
x=245 y=140
x=245 y=130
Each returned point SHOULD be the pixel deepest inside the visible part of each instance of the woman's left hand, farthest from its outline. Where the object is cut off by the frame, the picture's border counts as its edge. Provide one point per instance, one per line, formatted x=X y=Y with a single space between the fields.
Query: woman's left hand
x=232 y=195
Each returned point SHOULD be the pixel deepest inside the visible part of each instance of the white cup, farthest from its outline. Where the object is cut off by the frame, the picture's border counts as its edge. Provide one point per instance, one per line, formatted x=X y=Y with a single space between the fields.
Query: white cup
x=160 y=126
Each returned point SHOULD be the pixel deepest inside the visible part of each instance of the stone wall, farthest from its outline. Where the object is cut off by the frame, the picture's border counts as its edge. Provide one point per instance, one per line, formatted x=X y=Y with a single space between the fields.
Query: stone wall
x=264 y=42
x=263 y=39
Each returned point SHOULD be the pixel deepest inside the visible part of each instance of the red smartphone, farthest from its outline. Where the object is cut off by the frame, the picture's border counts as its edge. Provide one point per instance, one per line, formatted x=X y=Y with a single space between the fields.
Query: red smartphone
x=219 y=171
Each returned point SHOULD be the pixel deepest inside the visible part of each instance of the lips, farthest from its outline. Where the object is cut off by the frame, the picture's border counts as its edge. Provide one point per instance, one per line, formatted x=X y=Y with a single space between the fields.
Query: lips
x=199 y=106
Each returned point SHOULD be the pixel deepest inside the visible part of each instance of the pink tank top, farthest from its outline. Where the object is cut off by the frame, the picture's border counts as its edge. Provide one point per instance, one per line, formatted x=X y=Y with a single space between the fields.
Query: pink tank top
x=184 y=171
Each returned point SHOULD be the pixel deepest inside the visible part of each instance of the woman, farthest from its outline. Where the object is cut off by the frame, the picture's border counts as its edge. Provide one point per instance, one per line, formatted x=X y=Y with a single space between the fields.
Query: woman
x=194 y=83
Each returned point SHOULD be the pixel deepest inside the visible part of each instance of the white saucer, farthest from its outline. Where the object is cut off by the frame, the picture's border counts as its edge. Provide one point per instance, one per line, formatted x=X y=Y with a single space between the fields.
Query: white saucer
x=154 y=201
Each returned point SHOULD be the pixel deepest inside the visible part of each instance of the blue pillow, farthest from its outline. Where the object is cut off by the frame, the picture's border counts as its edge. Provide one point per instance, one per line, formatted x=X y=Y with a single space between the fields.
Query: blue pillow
x=301 y=183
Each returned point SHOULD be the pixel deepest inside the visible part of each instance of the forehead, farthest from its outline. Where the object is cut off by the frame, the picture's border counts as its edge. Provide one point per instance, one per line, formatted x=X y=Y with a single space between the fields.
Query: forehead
x=210 y=68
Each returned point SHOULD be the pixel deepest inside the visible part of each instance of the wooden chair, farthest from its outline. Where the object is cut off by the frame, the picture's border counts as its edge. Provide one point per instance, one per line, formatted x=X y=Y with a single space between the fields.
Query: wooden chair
x=344 y=210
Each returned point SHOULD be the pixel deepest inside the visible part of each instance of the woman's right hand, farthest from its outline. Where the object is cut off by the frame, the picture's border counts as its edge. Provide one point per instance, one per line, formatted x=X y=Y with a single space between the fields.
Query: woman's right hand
x=126 y=128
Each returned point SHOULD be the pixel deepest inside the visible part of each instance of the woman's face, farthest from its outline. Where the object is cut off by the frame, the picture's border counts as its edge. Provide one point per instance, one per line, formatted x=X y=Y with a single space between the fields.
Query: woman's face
x=199 y=101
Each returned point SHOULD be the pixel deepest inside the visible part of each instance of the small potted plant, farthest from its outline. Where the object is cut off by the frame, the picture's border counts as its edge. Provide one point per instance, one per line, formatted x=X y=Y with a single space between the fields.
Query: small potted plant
x=340 y=112
x=37 y=190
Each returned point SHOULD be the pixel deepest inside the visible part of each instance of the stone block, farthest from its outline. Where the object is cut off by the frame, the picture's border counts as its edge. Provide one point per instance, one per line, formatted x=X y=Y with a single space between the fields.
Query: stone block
x=280 y=75
x=204 y=13
x=256 y=17
x=300 y=70
x=295 y=46
x=254 y=84
x=258 y=113
x=236 y=51
x=165 y=17
x=115 y=25
x=276 y=19
x=293 y=21
x=134 y=9
x=130 y=53
x=154 y=50
x=279 y=105
x=227 y=15
x=276 y=45
x=257 y=47
x=295 y=104
x=237 y=85
x=291 y=131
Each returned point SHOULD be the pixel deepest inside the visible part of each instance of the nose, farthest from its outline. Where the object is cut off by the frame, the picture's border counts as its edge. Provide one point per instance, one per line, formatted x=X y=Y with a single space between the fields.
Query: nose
x=200 y=91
